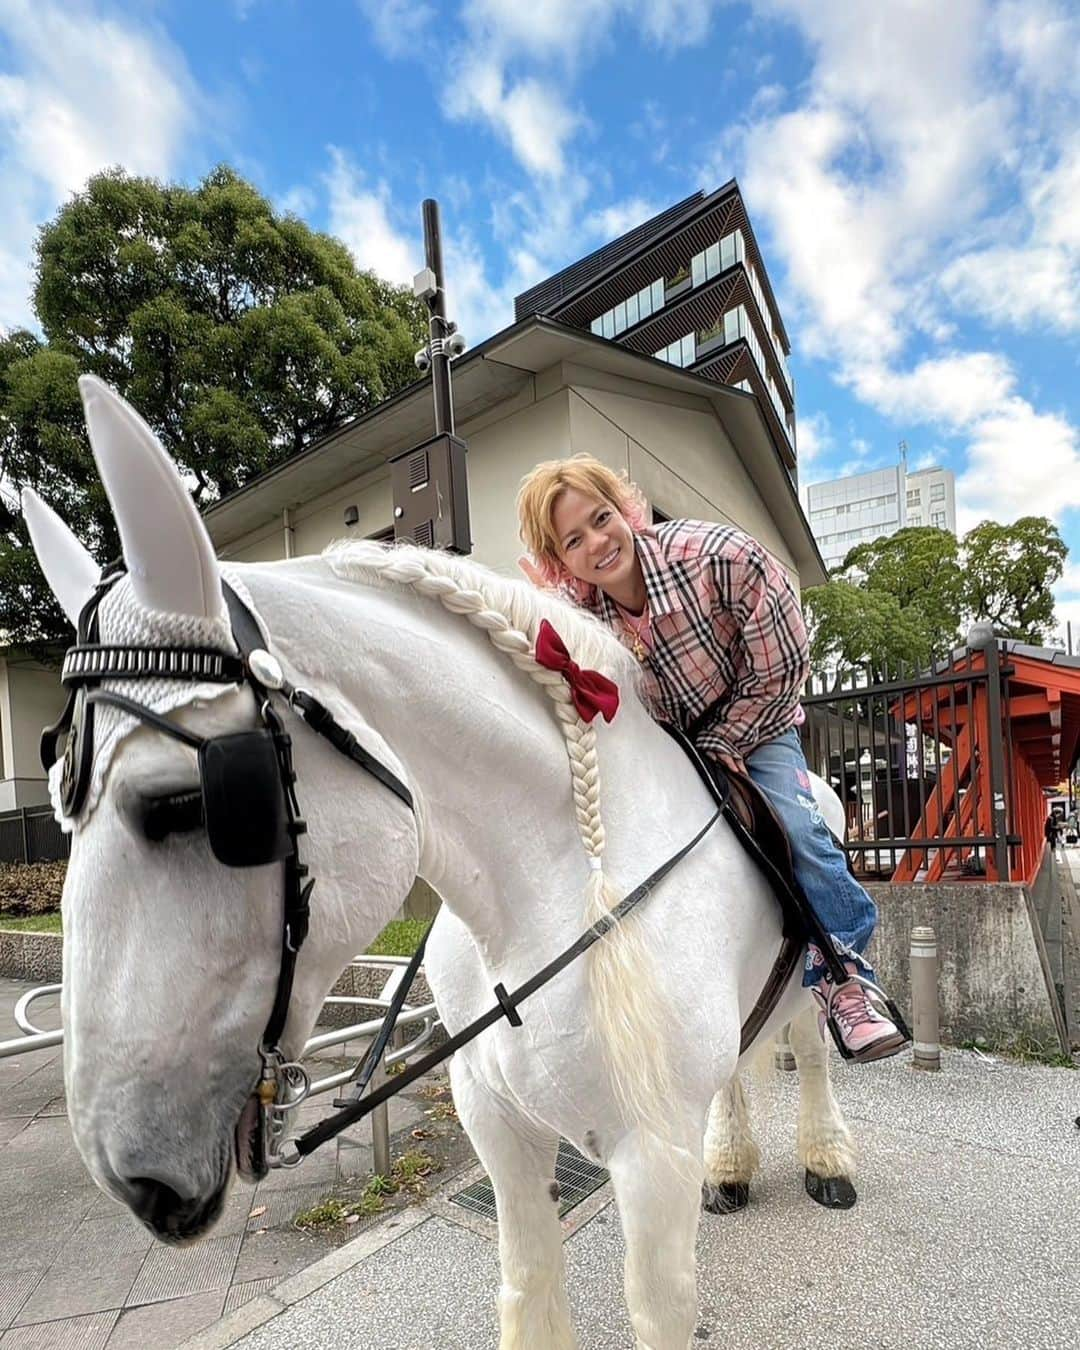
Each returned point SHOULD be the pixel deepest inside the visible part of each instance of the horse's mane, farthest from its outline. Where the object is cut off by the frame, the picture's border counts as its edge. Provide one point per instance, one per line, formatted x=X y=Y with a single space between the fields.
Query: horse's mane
x=589 y=642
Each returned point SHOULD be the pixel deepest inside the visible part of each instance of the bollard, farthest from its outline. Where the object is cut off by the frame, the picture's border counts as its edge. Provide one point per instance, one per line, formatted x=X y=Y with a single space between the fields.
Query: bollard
x=783 y=1056
x=924 y=999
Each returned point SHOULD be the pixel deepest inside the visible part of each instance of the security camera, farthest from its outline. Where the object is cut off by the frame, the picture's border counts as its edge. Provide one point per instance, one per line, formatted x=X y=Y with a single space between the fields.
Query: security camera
x=422 y=360
x=456 y=344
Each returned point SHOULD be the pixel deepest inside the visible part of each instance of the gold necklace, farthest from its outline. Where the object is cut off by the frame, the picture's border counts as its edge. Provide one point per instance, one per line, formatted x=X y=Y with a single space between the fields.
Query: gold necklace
x=633 y=631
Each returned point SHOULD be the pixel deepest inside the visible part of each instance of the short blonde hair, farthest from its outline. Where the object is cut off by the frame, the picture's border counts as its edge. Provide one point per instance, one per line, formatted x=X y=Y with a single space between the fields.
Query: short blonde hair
x=541 y=489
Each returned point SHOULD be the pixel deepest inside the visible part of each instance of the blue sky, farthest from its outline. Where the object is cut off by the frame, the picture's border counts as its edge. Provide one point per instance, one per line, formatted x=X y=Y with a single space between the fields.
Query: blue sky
x=912 y=169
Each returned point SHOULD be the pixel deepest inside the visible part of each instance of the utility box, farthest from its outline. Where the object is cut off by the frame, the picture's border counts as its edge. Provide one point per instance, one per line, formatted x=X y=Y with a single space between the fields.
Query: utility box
x=431 y=495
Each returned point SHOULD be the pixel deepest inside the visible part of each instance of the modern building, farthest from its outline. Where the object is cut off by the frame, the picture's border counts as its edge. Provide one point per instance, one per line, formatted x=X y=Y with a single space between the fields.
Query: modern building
x=546 y=387
x=865 y=506
x=688 y=287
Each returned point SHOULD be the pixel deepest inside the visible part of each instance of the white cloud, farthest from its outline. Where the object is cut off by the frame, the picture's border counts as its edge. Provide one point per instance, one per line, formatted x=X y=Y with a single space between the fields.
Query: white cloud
x=400 y=27
x=365 y=218
x=883 y=191
x=132 y=103
x=1020 y=462
x=955 y=390
x=530 y=115
x=360 y=217
x=616 y=218
x=889 y=153
x=815 y=437
x=1036 y=280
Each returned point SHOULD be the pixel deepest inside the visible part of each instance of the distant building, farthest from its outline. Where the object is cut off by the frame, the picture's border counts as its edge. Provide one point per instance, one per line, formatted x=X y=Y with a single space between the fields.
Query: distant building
x=849 y=511
x=688 y=287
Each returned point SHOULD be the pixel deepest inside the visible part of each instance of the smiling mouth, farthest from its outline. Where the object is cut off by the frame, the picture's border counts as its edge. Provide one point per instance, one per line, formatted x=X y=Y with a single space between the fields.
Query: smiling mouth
x=607 y=560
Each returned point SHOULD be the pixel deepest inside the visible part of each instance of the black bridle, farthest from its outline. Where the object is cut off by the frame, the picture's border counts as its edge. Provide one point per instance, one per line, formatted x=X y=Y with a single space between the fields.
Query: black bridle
x=246 y=801
x=248 y=807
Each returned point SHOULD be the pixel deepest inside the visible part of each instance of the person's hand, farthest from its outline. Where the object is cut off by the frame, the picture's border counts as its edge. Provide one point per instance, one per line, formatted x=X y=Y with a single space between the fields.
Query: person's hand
x=532 y=571
x=734 y=764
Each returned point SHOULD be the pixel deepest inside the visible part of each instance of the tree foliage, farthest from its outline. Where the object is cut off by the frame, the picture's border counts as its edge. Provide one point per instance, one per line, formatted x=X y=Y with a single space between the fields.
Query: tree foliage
x=241 y=335
x=914 y=594
x=1008 y=574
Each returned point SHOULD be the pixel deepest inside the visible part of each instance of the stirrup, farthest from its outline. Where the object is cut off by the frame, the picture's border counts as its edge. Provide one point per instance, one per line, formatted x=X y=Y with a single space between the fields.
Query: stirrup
x=871 y=988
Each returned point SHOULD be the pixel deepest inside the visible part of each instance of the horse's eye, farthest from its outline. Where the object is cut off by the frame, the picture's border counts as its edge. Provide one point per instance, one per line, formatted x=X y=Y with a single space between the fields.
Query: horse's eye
x=178 y=814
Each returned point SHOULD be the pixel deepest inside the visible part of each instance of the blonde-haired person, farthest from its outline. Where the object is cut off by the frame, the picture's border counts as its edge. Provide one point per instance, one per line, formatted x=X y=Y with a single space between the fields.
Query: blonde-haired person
x=718 y=629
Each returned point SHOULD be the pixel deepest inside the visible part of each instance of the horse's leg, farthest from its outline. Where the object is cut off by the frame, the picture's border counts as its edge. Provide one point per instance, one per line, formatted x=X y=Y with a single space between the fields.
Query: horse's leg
x=731 y=1156
x=826 y=1148
x=659 y=1198
x=519 y=1157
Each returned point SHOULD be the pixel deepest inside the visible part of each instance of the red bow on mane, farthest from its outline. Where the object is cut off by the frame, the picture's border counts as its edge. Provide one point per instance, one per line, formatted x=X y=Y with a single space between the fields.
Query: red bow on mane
x=591 y=692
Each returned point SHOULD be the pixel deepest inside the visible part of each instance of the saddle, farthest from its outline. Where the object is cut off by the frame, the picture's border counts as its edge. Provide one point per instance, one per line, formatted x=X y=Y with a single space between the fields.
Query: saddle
x=759 y=830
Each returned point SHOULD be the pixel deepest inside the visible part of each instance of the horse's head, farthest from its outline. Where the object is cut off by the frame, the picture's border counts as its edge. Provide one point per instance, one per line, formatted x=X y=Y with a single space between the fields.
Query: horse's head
x=171 y=957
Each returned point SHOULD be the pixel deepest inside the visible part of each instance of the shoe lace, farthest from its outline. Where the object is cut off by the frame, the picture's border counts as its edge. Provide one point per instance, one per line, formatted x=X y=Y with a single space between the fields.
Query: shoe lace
x=852 y=1008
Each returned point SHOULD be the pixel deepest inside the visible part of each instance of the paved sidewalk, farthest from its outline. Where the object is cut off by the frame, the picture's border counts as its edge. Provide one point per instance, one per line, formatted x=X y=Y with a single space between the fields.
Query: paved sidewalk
x=78 y=1272
x=964 y=1237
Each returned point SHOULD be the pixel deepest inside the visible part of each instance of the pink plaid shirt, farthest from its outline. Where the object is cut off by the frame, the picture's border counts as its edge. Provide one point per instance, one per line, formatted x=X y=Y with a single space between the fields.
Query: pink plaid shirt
x=724 y=628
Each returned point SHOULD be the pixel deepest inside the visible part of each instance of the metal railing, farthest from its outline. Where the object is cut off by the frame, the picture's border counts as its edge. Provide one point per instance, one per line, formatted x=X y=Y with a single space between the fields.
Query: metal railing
x=31 y=834
x=34 y=1039
x=922 y=762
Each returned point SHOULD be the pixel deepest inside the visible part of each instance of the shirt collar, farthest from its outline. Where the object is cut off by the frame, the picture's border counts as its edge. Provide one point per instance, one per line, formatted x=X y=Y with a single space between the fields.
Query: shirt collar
x=662 y=597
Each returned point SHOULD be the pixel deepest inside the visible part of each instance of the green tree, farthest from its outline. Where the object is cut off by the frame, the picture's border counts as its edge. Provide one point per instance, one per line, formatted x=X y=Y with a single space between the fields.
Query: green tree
x=241 y=335
x=914 y=595
x=920 y=568
x=851 y=626
x=1008 y=574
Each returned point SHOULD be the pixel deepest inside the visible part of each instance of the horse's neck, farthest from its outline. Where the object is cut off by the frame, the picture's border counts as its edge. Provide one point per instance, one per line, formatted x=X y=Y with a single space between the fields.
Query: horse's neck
x=480 y=743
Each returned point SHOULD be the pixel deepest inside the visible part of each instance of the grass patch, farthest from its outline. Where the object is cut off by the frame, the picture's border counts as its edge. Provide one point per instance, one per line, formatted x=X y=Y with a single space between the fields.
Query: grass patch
x=411 y=1170
x=1023 y=1050
x=331 y=1212
x=400 y=937
x=408 y=1175
x=32 y=923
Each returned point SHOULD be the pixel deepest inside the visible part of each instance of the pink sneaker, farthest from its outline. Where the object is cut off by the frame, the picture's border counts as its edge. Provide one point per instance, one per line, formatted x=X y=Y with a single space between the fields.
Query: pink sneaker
x=865 y=1034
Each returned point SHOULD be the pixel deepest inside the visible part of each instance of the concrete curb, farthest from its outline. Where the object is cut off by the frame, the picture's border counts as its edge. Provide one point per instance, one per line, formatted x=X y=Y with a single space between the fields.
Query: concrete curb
x=265 y=1307
x=31 y=956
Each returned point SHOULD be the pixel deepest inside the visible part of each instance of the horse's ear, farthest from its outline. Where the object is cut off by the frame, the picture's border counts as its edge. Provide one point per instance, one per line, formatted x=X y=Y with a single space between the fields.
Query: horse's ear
x=168 y=552
x=68 y=568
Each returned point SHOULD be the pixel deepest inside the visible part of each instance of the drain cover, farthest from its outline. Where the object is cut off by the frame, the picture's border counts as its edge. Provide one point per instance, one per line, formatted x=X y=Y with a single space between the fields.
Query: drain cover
x=577 y=1178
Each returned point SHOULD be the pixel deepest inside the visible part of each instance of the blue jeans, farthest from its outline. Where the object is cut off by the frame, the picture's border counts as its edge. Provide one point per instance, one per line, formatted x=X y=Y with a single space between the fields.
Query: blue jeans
x=842 y=906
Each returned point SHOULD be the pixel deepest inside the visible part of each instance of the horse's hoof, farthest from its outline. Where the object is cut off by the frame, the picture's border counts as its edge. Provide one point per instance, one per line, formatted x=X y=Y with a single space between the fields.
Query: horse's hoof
x=832 y=1192
x=725 y=1198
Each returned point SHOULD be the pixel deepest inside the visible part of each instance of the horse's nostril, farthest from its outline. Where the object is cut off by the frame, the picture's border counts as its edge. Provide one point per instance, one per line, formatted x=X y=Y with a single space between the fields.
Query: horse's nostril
x=151 y=1200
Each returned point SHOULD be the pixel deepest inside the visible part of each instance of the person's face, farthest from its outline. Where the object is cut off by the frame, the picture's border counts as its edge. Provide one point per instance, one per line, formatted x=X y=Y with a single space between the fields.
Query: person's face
x=595 y=543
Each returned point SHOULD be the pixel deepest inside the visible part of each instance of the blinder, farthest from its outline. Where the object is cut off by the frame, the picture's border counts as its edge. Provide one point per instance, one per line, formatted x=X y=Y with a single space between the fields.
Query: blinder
x=247 y=823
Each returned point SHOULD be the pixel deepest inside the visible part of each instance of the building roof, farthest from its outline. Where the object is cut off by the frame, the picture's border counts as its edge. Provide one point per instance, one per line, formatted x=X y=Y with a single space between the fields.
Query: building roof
x=485 y=377
x=559 y=290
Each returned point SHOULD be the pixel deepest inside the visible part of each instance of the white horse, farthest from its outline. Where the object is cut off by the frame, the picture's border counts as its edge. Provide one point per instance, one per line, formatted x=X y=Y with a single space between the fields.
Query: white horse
x=170 y=959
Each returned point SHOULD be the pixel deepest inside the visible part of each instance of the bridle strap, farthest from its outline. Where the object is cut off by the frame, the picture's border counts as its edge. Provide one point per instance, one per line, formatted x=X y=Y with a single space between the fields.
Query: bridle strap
x=145 y=714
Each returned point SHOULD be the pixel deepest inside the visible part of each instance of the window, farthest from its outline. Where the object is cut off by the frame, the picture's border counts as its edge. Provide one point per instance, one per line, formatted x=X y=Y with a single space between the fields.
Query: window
x=914 y=519
x=937 y=492
x=937 y=519
x=914 y=497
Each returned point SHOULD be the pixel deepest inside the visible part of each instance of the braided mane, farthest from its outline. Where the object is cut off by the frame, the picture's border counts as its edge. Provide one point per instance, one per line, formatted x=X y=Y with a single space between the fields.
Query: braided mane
x=589 y=641
x=627 y=1002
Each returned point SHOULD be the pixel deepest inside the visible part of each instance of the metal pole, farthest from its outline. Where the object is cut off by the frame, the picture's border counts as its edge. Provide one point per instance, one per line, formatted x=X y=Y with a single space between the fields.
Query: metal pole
x=924 y=999
x=438 y=329
x=25 y=834
x=380 y=1125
